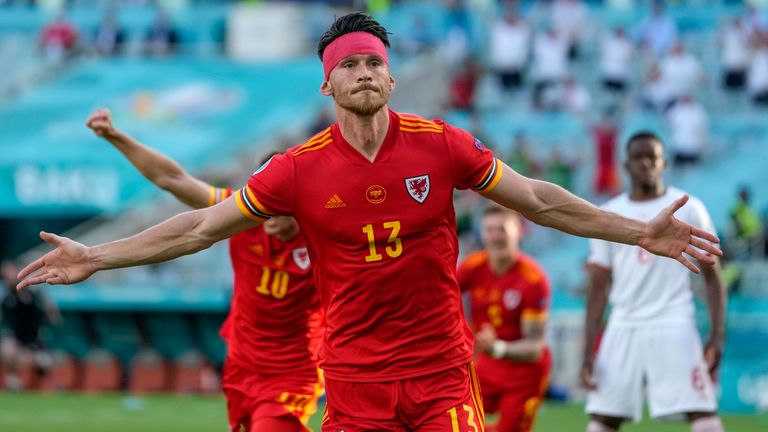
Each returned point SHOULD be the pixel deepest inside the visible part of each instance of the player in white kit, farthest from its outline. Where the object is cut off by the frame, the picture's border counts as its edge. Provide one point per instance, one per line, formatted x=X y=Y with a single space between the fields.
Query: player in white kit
x=650 y=344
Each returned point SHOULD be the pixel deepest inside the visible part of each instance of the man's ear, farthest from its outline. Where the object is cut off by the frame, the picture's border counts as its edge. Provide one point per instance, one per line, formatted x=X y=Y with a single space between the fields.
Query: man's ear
x=326 y=89
x=391 y=83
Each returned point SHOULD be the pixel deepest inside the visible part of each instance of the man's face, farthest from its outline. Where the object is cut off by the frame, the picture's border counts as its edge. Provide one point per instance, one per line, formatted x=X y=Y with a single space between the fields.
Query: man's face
x=500 y=232
x=645 y=162
x=360 y=84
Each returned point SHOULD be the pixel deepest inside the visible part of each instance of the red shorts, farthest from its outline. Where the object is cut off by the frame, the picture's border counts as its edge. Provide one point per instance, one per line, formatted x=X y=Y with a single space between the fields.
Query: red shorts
x=447 y=401
x=515 y=397
x=252 y=396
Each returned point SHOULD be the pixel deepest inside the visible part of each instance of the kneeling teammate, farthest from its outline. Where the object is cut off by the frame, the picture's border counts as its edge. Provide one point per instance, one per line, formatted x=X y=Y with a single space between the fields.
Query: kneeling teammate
x=509 y=294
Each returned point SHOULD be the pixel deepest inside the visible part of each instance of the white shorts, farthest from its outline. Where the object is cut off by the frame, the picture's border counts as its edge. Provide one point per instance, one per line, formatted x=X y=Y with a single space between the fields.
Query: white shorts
x=666 y=361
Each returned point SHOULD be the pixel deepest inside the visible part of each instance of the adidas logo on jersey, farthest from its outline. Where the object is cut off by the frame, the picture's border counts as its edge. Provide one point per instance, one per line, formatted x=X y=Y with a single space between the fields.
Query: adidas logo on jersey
x=335 y=202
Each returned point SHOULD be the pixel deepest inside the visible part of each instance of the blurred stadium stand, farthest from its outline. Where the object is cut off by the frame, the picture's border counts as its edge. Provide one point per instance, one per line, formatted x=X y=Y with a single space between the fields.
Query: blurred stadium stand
x=211 y=113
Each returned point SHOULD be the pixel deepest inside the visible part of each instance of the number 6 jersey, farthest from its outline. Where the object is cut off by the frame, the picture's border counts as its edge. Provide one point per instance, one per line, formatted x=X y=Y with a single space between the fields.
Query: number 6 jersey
x=381 y=236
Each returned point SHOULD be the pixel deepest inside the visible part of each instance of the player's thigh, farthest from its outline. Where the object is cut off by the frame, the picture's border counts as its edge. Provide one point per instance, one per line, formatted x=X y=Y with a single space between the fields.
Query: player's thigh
x=677 y=375
x=618 y=373
x=286 y=423
x=448 y=401
x=517 y=411
x=360 y=407
x=465 y=417
x=239 y=407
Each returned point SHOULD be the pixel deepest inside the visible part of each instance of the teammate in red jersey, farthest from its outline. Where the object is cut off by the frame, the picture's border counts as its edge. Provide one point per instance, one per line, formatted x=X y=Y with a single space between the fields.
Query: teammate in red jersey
x=509 y=297
x=270 y=374
x=373 y=195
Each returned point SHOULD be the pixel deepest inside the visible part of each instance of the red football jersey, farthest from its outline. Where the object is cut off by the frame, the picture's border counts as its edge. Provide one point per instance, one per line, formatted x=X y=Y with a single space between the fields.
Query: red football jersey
x=274 y=323
x=503 y=301
x=382 y=239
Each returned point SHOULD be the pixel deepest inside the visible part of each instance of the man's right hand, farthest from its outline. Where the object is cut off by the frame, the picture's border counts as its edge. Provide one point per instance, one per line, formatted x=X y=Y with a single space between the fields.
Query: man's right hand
x=69 y=263
x=100 y=121
x=587 y=378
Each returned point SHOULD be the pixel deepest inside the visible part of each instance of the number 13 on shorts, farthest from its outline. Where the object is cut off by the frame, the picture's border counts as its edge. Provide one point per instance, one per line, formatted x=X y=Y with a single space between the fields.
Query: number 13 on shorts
x=464 y=419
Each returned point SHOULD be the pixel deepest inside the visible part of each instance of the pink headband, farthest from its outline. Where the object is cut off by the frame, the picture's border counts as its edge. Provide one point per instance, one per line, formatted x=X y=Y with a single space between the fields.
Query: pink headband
x=351 y=44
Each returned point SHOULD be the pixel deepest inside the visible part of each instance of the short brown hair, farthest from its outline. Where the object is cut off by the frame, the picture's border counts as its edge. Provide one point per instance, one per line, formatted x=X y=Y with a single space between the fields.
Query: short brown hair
x=494 y=208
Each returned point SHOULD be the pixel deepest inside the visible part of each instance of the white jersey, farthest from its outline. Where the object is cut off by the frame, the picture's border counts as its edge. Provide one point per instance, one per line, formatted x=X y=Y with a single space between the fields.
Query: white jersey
x=646 y=289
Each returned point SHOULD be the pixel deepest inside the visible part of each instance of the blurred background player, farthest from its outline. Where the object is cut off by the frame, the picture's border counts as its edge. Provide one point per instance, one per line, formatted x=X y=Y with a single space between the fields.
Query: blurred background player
x=23 y=315
x=374 y=196
x=270 y=376
x=509 y=297
x=651 y=338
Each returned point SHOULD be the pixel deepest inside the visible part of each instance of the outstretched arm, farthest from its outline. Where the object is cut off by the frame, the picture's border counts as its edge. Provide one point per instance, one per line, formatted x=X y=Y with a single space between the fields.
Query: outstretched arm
x=156 y=167
x=717 y=300
x=183 y=234
x=552 y=206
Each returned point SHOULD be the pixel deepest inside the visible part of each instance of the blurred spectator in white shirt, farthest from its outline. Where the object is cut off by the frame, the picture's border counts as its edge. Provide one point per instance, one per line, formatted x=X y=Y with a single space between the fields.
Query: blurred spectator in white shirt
x=574 y=97
x=656 y=94
x=510 y=46
x=658 y=32
x=109 y=36
x=734 y=53
x=681 y=71
x=689 y=127
x=616 y=51
x=757 y=76
x=550 y=63
x=570 y=19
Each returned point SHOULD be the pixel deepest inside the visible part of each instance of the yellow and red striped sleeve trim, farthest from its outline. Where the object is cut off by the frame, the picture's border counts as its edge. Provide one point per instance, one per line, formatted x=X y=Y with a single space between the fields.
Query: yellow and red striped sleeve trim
x=491 y=177
x=250 y=206
x=534 y=315
x=315 y=143
x=218 y=195
x=416 y=125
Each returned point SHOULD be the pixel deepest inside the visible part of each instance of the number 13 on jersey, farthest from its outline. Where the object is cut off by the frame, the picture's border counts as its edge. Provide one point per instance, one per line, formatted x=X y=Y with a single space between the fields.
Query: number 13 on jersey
x=394 y=246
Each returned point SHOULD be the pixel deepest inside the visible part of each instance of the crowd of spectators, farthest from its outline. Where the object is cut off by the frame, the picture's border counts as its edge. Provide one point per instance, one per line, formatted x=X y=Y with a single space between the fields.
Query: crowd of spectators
x=560 y=58
x=61 y=39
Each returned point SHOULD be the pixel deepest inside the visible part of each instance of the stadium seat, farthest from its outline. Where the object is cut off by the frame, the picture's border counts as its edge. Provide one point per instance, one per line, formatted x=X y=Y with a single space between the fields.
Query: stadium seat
x=102 y=372
x=191 y=375
x=64 y=374
x=149 y=373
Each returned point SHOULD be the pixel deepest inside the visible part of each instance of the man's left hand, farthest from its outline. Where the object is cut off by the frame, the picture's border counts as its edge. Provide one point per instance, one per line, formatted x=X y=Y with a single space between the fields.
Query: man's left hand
x=668 y=236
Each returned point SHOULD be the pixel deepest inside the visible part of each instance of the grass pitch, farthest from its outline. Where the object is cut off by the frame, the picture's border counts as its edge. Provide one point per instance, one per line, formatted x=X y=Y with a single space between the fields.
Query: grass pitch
x=31 y=412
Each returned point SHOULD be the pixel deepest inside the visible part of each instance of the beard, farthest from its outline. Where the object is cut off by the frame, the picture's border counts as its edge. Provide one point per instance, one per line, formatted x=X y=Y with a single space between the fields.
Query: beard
x=365 y=107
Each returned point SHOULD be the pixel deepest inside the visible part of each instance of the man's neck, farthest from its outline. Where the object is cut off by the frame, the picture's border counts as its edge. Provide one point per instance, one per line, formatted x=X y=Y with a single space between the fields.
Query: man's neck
x=365 y=133
x=502 y=262
x=647 y=193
